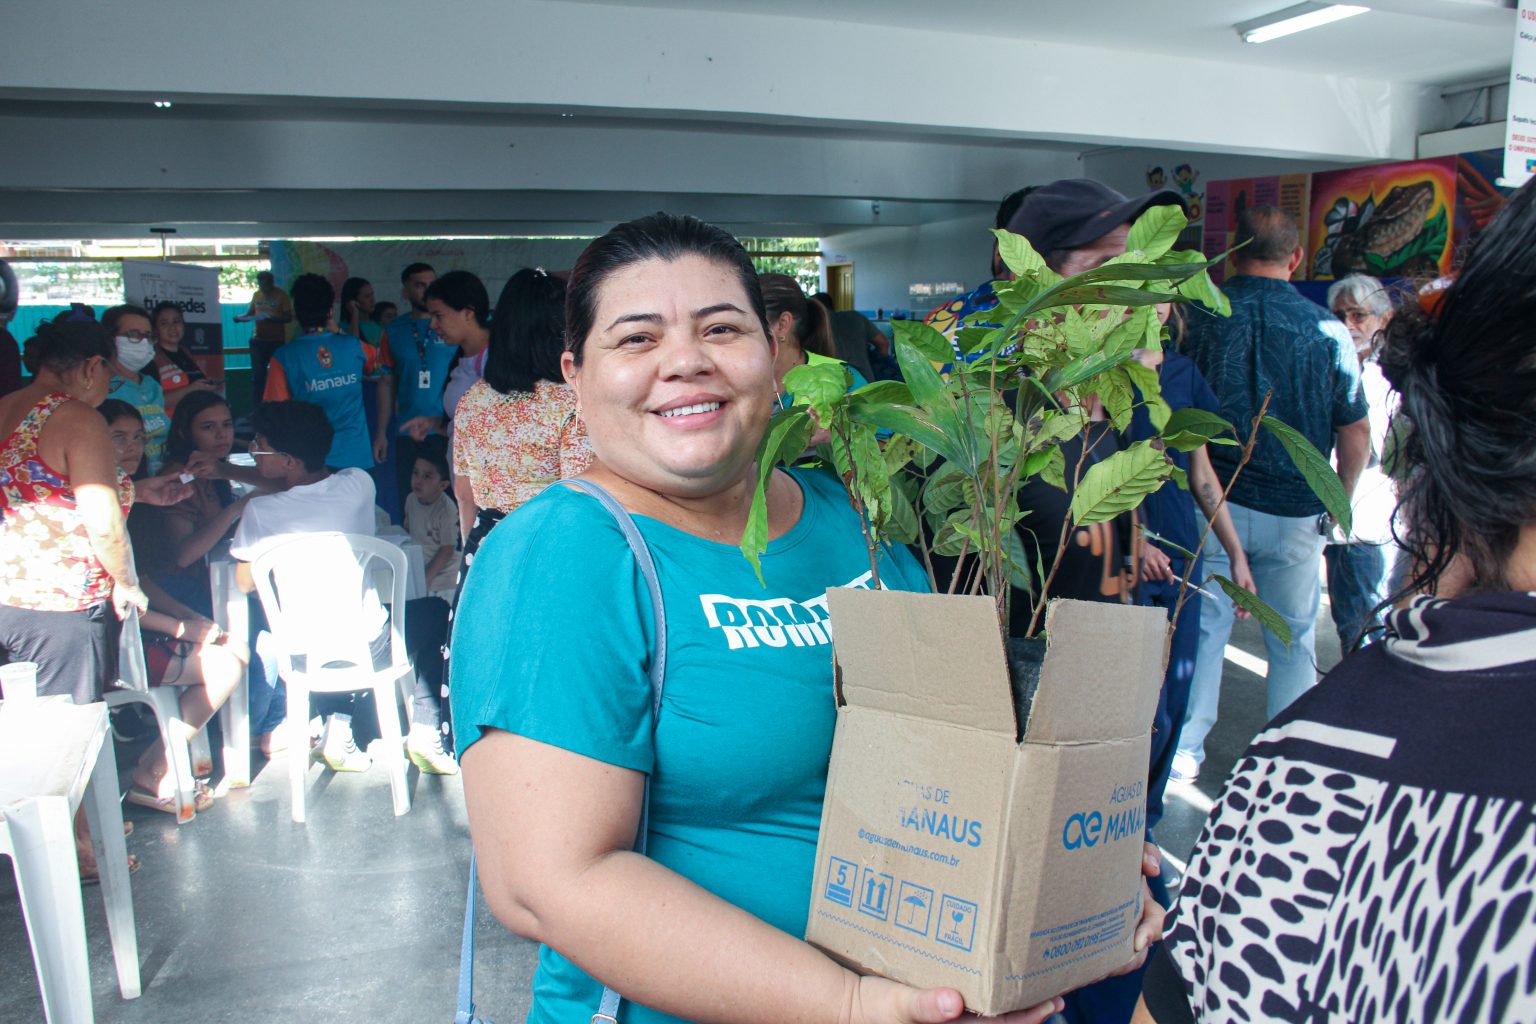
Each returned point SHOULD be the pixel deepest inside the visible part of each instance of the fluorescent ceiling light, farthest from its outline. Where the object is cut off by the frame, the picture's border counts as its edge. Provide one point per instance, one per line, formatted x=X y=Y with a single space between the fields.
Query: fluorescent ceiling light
x=1295 y=19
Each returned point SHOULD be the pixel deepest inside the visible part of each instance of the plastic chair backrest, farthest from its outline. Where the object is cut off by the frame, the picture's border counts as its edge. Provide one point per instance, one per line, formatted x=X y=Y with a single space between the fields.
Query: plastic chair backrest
x=318 y=593
x=131 y=671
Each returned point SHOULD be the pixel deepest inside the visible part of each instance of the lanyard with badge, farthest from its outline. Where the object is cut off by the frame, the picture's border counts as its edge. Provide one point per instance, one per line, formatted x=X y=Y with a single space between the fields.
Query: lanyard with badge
x=424 y=373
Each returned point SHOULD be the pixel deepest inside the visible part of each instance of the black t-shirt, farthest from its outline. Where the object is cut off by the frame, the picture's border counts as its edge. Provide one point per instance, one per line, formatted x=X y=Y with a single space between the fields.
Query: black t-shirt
x=1093 y=568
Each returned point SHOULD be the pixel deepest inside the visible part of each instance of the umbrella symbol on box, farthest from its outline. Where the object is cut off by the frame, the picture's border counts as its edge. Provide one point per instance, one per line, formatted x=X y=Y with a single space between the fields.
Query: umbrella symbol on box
x=914 y=908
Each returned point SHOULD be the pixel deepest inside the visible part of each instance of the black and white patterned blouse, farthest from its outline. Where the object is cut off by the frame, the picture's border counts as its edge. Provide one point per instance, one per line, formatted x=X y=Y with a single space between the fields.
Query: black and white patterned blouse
x=1373 y=857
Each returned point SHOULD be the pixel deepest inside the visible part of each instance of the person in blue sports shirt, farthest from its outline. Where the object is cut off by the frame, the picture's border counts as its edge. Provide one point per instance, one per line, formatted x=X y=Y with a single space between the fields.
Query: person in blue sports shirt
x=668 y=349
x=419 y=359
x=326 y=368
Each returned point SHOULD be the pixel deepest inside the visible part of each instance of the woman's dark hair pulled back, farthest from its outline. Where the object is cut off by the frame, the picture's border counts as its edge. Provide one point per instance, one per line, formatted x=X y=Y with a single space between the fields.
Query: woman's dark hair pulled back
x=527 y=333
x=660 y=236
x=349 y=291
x=60 y=347
x=1466 y=426
x=459 y=289
x=813 y=324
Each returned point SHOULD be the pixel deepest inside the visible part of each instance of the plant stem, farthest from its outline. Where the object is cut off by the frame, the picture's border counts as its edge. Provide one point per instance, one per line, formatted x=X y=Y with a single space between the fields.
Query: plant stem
x=1061 y=543
x=866 y=526
x=1210 y=522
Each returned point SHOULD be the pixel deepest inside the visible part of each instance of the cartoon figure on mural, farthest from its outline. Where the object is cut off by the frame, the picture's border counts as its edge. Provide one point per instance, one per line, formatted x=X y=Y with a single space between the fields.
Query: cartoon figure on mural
x=1156 y=179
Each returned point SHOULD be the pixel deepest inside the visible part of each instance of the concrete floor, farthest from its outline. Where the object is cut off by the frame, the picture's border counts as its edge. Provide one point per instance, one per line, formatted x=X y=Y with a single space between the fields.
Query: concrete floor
x=356 y=916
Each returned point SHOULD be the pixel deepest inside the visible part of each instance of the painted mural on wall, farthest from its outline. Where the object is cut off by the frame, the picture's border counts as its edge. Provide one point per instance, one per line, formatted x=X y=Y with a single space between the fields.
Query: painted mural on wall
x=1478 y=196
x=1184 y=179
x=1392 y=220
x=1226 y=200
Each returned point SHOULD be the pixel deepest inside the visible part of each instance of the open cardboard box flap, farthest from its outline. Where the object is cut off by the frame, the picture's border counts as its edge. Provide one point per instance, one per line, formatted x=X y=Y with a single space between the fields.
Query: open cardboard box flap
x=1079 y=702
x=917 y=674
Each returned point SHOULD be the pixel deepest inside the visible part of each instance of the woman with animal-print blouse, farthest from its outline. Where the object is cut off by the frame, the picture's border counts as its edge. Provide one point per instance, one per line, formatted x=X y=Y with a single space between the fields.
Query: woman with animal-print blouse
x=1373 y=857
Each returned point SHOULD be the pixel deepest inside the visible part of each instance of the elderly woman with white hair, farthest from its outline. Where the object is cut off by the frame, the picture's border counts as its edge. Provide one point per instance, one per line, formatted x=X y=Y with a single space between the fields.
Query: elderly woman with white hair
x=1360 y=564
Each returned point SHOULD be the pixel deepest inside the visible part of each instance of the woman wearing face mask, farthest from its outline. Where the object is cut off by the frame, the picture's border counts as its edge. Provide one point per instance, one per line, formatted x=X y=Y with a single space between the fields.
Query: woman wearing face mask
x=133 y=351
x=178 y=372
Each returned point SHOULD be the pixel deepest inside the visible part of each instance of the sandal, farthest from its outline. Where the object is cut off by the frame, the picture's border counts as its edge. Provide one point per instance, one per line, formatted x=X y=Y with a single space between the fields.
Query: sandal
x=202 y=799
x=94 y=877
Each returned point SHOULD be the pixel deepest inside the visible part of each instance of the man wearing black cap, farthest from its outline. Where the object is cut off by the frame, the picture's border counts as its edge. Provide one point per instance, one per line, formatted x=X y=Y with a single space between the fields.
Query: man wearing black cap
x=1075 y=224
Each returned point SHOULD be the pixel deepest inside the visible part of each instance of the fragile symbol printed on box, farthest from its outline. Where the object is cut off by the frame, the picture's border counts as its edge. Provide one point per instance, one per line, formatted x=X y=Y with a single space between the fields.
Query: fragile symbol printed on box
x=914 y=908
x=841 y=875
x=875 y=894
x=957 y=923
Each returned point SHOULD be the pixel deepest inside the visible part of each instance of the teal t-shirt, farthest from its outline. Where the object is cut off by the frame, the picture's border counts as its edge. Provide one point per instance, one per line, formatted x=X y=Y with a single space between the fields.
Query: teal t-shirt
x=147 y=397
x=420 y=359
x=553 y=641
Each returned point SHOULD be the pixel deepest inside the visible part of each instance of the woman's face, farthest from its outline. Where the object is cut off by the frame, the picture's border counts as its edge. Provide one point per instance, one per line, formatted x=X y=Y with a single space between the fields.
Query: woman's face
x=213 y=431
x=452 y=325
x=169 y=328
x=676 y=384
x=128 y=442
x=365 y=299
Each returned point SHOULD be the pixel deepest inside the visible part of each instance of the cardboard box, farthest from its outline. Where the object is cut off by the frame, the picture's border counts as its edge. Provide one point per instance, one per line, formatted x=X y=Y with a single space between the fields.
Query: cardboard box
x=953 y=854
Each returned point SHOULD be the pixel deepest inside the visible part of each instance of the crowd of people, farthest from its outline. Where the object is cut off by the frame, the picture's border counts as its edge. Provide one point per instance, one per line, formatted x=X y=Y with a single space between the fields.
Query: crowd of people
x=650 y=372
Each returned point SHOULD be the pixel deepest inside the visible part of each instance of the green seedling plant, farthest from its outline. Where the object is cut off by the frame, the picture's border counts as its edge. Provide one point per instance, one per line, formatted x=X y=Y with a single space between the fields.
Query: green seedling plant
x=937 y=461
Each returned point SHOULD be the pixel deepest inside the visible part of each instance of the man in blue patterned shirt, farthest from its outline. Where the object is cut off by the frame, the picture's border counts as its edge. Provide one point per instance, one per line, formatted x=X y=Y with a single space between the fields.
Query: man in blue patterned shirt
x=1279 y=344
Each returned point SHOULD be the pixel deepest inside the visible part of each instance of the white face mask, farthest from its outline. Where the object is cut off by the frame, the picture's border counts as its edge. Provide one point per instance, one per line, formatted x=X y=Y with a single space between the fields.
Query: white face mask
x=135 y=355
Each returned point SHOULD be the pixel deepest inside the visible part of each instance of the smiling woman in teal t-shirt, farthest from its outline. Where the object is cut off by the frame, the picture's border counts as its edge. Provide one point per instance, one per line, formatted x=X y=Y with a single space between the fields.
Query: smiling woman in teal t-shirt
x=673 y=367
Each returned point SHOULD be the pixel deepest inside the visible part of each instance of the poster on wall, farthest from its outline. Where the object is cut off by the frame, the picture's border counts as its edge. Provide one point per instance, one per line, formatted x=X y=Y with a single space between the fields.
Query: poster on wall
x=1226 y=200
x=1392 y=220
x=1520 y=125
x=493 y=260
x=195 y=290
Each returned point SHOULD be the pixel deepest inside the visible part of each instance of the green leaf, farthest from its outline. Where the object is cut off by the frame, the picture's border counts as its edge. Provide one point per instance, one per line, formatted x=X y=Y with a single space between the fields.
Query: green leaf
x=1118 y=270
x=821 y=386
x=1150 y=385
x=1249 y=602
x=908 y=422
x=883 y=392
x=925 y=339
x=969 y=339
x=902 y=527
x=1186 y=441
x=1156 y=230
x=1104 y=294
x=1315 y=470
x=1114 y=390
x=945 y=491
x=898 y=452
x=917 y=370
x=1016 y=560
x=1118 y=483
x=787 y=435
x=1019 y=256
x=1197 y=421
x=1052 y=428
x=1054 y=472
x=1202 y=289
x=950 y=536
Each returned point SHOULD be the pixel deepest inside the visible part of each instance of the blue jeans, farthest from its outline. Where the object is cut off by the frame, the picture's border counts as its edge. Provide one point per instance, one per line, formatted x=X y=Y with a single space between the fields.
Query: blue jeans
x=1357 y=583
x=1285 y=554
x=1173 y=699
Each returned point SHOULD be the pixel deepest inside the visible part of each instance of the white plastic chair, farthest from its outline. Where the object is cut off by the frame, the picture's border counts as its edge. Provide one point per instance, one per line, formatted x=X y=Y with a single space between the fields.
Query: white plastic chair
x=165 y=702
x=327 y=630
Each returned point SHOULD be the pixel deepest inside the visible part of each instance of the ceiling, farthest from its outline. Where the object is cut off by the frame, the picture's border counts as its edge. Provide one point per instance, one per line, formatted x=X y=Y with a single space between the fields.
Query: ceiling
x=559 y=116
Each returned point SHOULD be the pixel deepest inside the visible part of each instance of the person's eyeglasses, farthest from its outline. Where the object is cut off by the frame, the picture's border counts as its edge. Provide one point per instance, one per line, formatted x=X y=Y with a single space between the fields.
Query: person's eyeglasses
x=1353 y=316
x=258 y=451
x=136 y=335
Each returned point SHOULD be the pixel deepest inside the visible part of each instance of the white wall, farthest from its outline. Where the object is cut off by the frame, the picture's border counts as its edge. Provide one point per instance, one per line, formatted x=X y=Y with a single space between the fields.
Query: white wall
x=887 y=260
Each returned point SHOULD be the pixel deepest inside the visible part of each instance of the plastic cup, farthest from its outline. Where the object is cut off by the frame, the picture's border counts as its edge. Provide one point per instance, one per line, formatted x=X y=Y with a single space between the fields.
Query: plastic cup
x=18 y=682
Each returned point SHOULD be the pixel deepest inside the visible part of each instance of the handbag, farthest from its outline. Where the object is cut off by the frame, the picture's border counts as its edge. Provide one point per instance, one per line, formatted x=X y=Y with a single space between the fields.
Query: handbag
x=608 y=1007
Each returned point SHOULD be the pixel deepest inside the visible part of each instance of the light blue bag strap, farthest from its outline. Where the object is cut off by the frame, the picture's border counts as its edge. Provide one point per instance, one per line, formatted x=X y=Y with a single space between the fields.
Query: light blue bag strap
x=608 y=1008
